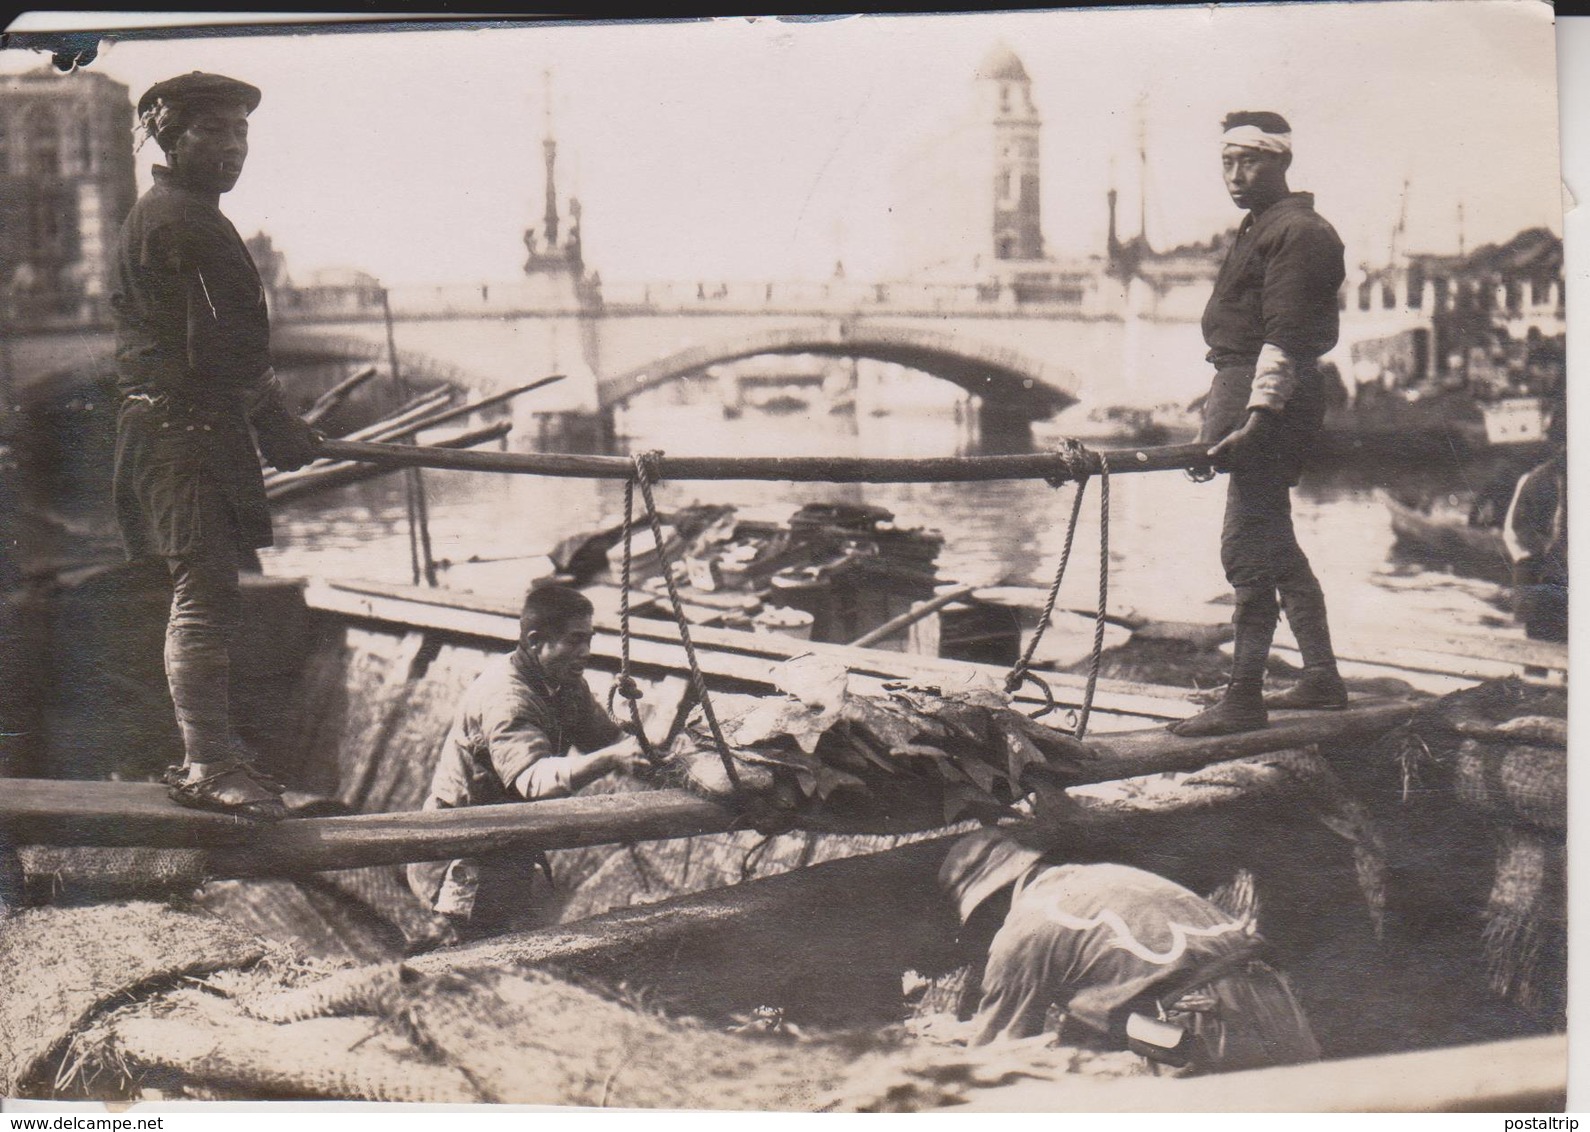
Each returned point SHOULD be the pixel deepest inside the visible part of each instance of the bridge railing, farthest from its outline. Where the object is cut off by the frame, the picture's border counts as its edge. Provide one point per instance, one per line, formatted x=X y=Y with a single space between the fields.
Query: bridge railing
x=675 y=297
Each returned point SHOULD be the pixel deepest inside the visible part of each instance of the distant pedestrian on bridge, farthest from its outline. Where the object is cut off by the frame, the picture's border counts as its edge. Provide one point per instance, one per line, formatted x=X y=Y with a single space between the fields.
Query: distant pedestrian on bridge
x=193 y=366
x=1272 y=314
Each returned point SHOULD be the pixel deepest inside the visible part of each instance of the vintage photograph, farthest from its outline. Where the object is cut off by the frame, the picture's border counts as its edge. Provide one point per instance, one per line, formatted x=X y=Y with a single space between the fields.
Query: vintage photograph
x=948 y=562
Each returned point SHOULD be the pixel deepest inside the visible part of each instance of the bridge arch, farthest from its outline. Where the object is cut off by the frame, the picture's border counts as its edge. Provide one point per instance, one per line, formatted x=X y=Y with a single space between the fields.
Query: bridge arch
x=294 y=345
x=1009 y=382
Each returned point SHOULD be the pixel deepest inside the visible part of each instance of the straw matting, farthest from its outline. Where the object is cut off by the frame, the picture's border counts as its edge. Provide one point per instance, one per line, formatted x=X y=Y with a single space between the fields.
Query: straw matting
x=63 y=964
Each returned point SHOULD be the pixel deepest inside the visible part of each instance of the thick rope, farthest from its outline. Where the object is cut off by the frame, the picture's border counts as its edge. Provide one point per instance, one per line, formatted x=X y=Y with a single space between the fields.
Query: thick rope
x=643 y=476
x=1021 y=672
x=1104 y=597
x=625 y=684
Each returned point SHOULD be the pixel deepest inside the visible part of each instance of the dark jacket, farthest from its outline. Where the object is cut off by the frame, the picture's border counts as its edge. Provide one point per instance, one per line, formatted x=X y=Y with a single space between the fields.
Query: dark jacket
x=193 y=365
x=1278 y=284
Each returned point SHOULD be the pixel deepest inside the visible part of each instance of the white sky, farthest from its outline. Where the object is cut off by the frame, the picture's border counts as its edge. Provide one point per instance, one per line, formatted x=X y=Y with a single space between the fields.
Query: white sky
x=764 y=149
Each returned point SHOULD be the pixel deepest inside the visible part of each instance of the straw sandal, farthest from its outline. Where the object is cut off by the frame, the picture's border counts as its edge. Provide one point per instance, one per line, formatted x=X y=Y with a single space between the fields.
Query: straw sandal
x=177 y=774
x=231 y=790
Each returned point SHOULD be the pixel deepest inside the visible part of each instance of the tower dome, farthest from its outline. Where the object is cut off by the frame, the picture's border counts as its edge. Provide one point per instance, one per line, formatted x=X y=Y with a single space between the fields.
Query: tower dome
x=1002 y=63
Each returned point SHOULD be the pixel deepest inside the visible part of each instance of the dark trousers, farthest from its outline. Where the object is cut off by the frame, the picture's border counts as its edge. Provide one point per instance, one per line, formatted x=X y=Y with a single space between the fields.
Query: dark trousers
x=206 y=604
x=1259 y=549
x=1263 y=562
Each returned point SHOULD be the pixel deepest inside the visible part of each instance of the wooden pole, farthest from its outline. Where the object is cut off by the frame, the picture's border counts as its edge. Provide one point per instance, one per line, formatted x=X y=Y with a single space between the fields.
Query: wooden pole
x=338 y=393
x=345 y=473
x=799 y=469
x=43 y=812
x=911 y=616
x=1127 y=754
x=420 y=560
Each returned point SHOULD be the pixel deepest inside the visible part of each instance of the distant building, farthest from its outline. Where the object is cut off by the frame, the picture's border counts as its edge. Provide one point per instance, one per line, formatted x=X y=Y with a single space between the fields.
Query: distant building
x=271 y=264
x=968 y=197
x=66 y=185
x=1494 y=316
x=969 y=202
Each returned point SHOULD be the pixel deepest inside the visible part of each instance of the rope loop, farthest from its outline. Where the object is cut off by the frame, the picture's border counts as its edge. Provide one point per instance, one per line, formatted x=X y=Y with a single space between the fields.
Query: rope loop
x=1028 y=677
x=1079 y=463
x=644 y=469
x=1019 y=672
x=1097 y=658
x=625 y=684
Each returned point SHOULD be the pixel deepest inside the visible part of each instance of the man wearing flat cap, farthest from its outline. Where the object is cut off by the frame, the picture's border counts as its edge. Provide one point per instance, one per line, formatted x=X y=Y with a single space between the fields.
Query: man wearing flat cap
x=198 y=394
x=1272 y=314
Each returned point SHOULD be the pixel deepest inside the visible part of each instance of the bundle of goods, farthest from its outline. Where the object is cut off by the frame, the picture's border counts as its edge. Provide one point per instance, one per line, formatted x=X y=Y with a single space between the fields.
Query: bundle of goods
x=915 y=757
x=1505 y=745
x=832 y=571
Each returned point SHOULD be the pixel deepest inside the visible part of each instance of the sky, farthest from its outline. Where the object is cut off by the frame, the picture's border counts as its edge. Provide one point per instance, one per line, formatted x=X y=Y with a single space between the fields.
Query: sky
x=761 y=148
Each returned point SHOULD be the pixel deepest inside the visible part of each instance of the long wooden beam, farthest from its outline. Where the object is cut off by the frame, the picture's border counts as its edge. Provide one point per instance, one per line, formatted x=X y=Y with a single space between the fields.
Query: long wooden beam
x=728 y=653
x=1127 y=754
x=44 y=812
x=49 y=812
x=800 y=469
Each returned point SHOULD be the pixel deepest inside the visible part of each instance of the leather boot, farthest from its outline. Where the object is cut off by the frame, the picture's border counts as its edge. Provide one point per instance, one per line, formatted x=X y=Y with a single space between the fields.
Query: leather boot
x=1320 y=688
x=1242 y=707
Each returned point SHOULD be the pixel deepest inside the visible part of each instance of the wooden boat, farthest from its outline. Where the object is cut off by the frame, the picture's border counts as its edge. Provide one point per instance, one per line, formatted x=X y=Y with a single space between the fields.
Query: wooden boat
x=1441 y=533
x=825 y=937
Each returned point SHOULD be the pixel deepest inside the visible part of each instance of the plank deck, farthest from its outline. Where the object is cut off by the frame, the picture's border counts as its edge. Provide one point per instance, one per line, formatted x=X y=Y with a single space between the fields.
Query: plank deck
x=724 y=653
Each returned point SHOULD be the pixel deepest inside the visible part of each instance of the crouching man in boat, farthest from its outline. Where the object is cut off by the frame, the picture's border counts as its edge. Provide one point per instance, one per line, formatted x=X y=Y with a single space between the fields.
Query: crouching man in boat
x=198 y=394
x=1272 y=314
x=1134 y=961
x=511 y=741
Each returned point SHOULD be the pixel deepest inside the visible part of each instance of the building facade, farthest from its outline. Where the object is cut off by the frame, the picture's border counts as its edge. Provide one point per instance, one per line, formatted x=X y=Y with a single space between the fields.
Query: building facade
x=66 y=185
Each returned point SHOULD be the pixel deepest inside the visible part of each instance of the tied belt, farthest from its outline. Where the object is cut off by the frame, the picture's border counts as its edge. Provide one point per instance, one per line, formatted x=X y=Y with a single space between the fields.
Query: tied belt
x=183 y=411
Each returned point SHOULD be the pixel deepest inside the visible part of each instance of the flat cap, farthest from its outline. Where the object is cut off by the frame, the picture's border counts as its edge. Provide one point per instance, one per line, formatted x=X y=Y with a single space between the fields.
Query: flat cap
x=197 y=85
x=981 y=864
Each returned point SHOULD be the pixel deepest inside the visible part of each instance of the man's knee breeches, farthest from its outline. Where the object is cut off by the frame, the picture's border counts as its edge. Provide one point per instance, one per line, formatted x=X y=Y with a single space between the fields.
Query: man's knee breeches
x=205 y=596
x=1258 y=546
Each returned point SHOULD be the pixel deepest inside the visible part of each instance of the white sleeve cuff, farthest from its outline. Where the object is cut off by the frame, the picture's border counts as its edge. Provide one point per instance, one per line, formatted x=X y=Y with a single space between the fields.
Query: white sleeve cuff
x=1274 y=379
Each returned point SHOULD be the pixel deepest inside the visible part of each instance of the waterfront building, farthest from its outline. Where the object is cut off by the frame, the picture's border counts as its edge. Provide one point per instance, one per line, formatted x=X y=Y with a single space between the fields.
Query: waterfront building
x=66 y=185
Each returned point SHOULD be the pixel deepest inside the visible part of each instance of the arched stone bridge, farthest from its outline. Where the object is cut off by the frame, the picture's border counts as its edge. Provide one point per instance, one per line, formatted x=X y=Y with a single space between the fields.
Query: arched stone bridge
x=1024 y=361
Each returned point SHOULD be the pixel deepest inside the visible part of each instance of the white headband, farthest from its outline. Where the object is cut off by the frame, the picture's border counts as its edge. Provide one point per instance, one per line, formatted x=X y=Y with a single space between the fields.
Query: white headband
x=1251 y=137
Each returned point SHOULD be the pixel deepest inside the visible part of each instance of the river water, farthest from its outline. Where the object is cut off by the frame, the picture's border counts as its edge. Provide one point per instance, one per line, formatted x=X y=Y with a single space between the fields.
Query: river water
x=1163 y=529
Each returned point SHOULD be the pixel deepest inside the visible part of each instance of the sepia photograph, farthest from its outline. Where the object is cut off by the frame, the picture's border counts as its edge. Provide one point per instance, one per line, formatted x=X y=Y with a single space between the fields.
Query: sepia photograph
x=971 y=562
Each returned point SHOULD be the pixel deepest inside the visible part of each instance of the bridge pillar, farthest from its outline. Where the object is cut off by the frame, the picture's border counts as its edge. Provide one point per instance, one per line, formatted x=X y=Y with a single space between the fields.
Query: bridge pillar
x=1001 y=430
x=586 y=433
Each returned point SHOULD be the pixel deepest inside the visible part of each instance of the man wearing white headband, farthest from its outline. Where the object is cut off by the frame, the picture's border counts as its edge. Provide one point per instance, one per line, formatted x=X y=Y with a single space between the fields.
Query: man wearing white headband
x=1272 y=314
